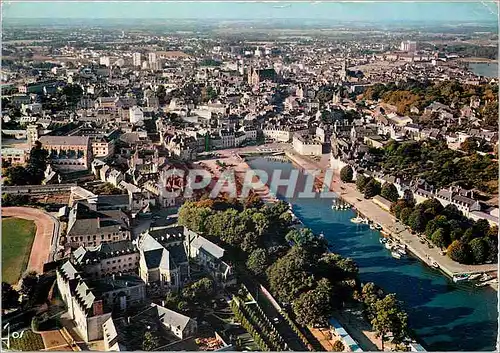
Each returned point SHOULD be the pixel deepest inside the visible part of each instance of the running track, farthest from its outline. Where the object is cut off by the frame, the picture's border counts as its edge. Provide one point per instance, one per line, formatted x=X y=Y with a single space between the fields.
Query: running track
x=47 y=229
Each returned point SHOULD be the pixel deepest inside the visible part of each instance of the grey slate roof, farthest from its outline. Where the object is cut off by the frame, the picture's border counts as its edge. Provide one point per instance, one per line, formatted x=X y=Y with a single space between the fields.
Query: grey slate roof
x=171 y=318
x=83 y=221
x=64 y=140
x=205 y=244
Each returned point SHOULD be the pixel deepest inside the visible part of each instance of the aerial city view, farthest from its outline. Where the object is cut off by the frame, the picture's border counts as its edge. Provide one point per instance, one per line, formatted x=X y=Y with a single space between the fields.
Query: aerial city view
x=249 y=176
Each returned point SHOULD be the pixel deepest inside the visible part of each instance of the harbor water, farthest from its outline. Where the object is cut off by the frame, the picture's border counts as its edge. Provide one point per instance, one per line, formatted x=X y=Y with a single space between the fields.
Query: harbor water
x=484 y=69
x=445 y=316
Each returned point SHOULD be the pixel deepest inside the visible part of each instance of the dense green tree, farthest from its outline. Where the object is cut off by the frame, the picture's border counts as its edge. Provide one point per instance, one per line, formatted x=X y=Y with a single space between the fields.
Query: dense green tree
x=417 y=221
x=291 y=275
x=29 y=283
x=459 y=252
x=108 y=189
x=17 y=175
x=201 y=289
x=468 y=235
x=37 y=163
x=172 y=300
x=361 y=182
x=493 y=232
x=389 y=318
x=10 y=297
x=372 y=188
x=389 y=192
x=439 y=222
x=430 y=228
x=313 y=308
x=452 y=212
x=492 y=246
x=431 y=207
x=304 y=237
x=439 y=238
x=150 y=341
x=370 y=294
x=490 y=114
x=257 y=262
x=346 y=174
x=182 y=305
x=73 y=93
x=481 y=227
x=336 y=267
x=194 y=217
x=161 y=94
x=405 y=215
x=15 y=200
x=397 y=207
x=260 y=222
x=479 y=250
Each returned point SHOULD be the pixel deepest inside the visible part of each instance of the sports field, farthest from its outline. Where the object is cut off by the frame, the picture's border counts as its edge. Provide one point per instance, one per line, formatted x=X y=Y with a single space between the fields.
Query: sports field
x=17 y=238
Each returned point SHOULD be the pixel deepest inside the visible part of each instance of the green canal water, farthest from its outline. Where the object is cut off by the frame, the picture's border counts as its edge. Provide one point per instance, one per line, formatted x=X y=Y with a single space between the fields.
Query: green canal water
x=446 y=316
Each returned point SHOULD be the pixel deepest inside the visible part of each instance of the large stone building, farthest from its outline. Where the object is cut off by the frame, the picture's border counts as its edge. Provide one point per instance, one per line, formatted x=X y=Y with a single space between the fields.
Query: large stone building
x=89 y=227
x=160 y=320
x=107 y=259
x=255 y=76
x=163 y=261
x=307 y=145
x=90 y=302
x=68 y=153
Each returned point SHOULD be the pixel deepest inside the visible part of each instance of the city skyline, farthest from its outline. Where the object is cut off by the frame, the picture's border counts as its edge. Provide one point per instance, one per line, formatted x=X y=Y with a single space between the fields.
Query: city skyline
x=477 y=12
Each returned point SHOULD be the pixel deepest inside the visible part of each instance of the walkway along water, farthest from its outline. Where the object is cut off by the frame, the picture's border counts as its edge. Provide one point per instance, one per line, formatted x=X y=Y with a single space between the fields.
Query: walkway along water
x=445 y=316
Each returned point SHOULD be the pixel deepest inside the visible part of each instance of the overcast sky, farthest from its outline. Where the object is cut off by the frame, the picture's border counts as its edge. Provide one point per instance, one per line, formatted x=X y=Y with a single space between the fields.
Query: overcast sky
x=485 y=11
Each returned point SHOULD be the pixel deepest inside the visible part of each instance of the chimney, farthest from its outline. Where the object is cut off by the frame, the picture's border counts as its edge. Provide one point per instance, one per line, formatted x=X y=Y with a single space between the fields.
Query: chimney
x=98 y=309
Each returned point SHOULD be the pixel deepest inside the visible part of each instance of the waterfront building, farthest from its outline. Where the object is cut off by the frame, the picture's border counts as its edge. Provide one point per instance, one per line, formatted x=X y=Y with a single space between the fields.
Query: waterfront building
x=307 y=145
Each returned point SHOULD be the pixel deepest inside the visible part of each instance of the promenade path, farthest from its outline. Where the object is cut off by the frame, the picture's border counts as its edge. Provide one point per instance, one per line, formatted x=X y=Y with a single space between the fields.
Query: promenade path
x=45 y=242
x=230 y=157
x=389 y=223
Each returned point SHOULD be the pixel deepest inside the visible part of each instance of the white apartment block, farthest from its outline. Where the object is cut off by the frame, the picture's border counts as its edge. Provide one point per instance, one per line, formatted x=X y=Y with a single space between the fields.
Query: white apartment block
x=136 y=59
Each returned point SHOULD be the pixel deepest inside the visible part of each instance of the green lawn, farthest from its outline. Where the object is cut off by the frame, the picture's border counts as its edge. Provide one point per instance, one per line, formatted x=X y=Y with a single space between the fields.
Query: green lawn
x=17 y=238
x=29 y=341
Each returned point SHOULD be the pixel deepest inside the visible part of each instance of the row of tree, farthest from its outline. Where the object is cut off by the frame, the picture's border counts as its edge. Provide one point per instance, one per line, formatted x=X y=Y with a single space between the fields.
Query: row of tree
x=259 y=320
x=467 y=241
x=247 y=325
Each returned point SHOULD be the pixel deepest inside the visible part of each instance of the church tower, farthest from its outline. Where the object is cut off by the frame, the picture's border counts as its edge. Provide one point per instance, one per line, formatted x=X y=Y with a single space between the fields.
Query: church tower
x=343 y=72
